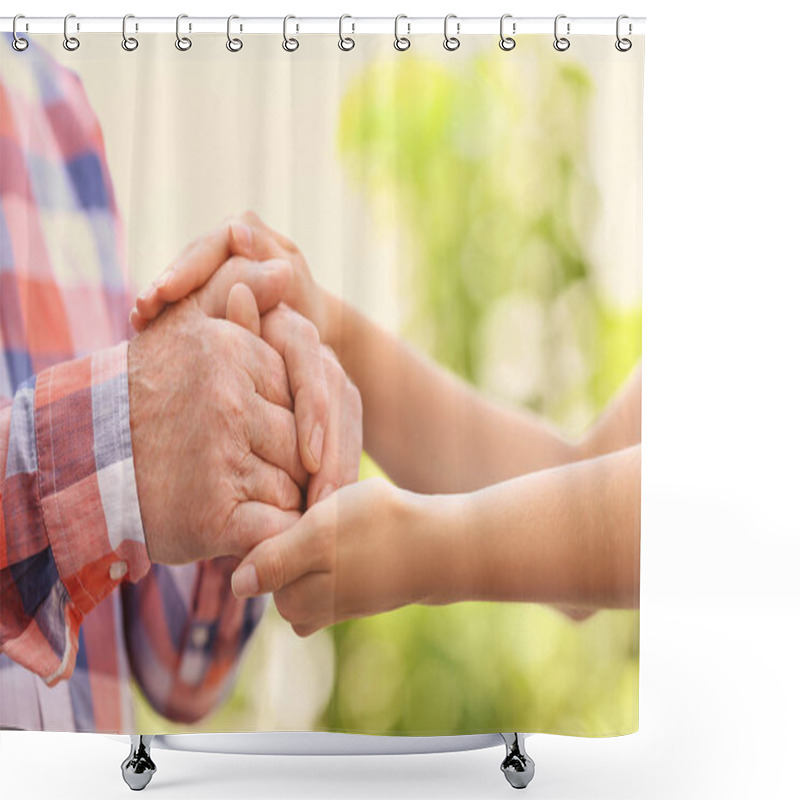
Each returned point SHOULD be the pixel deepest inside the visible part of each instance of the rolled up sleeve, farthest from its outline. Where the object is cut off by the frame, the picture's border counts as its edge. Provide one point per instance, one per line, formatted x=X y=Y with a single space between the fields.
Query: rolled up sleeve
x=71 y=524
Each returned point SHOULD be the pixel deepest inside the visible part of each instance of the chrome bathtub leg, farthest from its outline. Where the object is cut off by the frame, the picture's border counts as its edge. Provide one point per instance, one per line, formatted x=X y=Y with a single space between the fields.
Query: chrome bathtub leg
x=138 y=768
x=517 y=766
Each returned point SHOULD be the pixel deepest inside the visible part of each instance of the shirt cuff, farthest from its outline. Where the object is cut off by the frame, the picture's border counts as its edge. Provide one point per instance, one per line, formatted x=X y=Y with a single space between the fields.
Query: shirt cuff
x=87 y=483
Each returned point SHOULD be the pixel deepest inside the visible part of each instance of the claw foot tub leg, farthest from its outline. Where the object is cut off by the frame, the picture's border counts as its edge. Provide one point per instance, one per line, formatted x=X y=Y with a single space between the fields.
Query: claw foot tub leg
x=517 y=766
x=138 y=768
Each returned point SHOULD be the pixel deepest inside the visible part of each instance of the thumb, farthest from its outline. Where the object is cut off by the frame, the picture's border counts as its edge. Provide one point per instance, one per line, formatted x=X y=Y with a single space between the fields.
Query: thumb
x=280 y=560
x=242 y=308
x=268 y=281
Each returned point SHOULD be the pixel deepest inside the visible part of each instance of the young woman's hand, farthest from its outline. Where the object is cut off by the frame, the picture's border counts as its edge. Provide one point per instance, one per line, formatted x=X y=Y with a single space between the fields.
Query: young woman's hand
x=243 y=250
x=369 y=547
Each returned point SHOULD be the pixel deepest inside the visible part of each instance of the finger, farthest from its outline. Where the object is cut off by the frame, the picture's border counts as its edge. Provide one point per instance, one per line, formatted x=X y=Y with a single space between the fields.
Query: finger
x=253 y=522
x=308 y=603
x=269 y=282
x=273 y=438
x=264 y=365
x=281 y=560
x=267 y=242
x=341 y=456
x=137 y=323
x=242 y=309
x=268 y=483
x=297 y=340
x=195 y=265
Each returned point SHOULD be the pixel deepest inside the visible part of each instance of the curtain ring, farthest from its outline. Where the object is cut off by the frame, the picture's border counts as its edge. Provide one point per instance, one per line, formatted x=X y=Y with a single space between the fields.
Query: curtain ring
x=451 y=42
x=233 y=44
x=183 y=43
x=345 y=42
x=19 y=43
x=401 y=43
x=623 y=45
x=289 y=44
x=506 y=42
x=71 y=43
x=129 y=43
x=561 y=43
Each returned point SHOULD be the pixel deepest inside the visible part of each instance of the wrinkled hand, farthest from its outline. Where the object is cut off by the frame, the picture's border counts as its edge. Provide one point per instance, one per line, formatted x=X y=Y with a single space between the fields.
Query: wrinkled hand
x=214 y=440
x=356 y=553
x=296 y=339
x=327 y=405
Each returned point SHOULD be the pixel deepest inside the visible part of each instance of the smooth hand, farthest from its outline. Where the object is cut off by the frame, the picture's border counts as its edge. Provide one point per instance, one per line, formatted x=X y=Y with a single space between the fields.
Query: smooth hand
x=368 y=548
x=214 y=443
x=250 y=237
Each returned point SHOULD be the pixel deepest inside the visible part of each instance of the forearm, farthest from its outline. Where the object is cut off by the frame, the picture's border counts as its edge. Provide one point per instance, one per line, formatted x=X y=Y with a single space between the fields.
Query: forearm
x=568 y=535
x=620 y=425
x=429 y=430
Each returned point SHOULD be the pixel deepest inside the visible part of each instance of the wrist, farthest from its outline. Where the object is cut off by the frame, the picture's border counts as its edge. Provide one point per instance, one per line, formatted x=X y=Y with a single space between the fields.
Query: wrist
x=440 y=553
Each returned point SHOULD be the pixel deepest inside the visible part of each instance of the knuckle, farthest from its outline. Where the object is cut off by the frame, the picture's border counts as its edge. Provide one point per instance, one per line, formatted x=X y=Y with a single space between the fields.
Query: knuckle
x=250 y=216
x=329 y=355
x=288 y=493
x=308 y=332
x=319 y=399
x=274 y=570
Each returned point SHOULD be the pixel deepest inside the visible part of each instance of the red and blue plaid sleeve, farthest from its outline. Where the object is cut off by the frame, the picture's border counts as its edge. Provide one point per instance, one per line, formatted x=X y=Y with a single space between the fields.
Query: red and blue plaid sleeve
x=70 y=529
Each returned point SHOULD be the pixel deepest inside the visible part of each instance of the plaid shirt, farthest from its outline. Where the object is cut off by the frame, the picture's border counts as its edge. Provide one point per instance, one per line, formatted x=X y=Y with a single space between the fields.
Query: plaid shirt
x=70 y=527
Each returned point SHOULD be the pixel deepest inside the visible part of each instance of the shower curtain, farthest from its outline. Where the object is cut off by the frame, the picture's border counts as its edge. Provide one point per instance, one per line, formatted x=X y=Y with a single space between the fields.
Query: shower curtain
x=366 y=456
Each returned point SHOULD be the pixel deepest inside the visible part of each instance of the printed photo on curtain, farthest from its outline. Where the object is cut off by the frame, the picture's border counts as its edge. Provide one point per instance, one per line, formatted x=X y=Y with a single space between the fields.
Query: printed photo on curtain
x=321 y=385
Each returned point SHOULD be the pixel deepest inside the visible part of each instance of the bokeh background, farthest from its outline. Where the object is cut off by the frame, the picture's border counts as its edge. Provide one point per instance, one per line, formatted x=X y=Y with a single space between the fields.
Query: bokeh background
x=484 y=205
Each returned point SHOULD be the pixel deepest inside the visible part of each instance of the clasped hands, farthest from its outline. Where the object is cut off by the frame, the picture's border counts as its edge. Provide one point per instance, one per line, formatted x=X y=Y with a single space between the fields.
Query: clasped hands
x=240 y=418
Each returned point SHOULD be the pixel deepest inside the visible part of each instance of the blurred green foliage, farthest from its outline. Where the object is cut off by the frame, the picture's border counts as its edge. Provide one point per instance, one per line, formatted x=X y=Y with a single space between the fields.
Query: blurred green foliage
x=480 y=168
x=484 y=166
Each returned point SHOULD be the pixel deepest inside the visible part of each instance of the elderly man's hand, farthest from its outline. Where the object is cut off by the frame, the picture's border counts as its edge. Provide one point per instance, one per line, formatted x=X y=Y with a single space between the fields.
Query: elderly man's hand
x=327 y=405
x=214 y=442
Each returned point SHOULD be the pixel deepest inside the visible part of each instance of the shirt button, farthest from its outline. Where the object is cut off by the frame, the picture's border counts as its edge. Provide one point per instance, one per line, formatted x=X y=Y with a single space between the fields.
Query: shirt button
x=117 y=570
x=199 y=636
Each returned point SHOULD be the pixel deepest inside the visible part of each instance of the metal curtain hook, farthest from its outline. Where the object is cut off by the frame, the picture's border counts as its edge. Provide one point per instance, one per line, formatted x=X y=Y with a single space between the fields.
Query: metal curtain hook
x=451 y=42
x=506 y=42
x=623 y=45
x=182 y=42
x=233 y=44
x=19 y=43
x=561 y=43
x=70 y=42
x=401 y=42
x=346 y=43
x=289 y=44
x=129 y=43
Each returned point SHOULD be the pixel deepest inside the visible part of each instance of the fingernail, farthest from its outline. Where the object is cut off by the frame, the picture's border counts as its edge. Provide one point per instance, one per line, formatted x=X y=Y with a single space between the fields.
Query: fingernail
x=325 y=492
x=315 y=443
x=242 y=235
x=244 y=581
x=147 y=292
x=163 y=279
